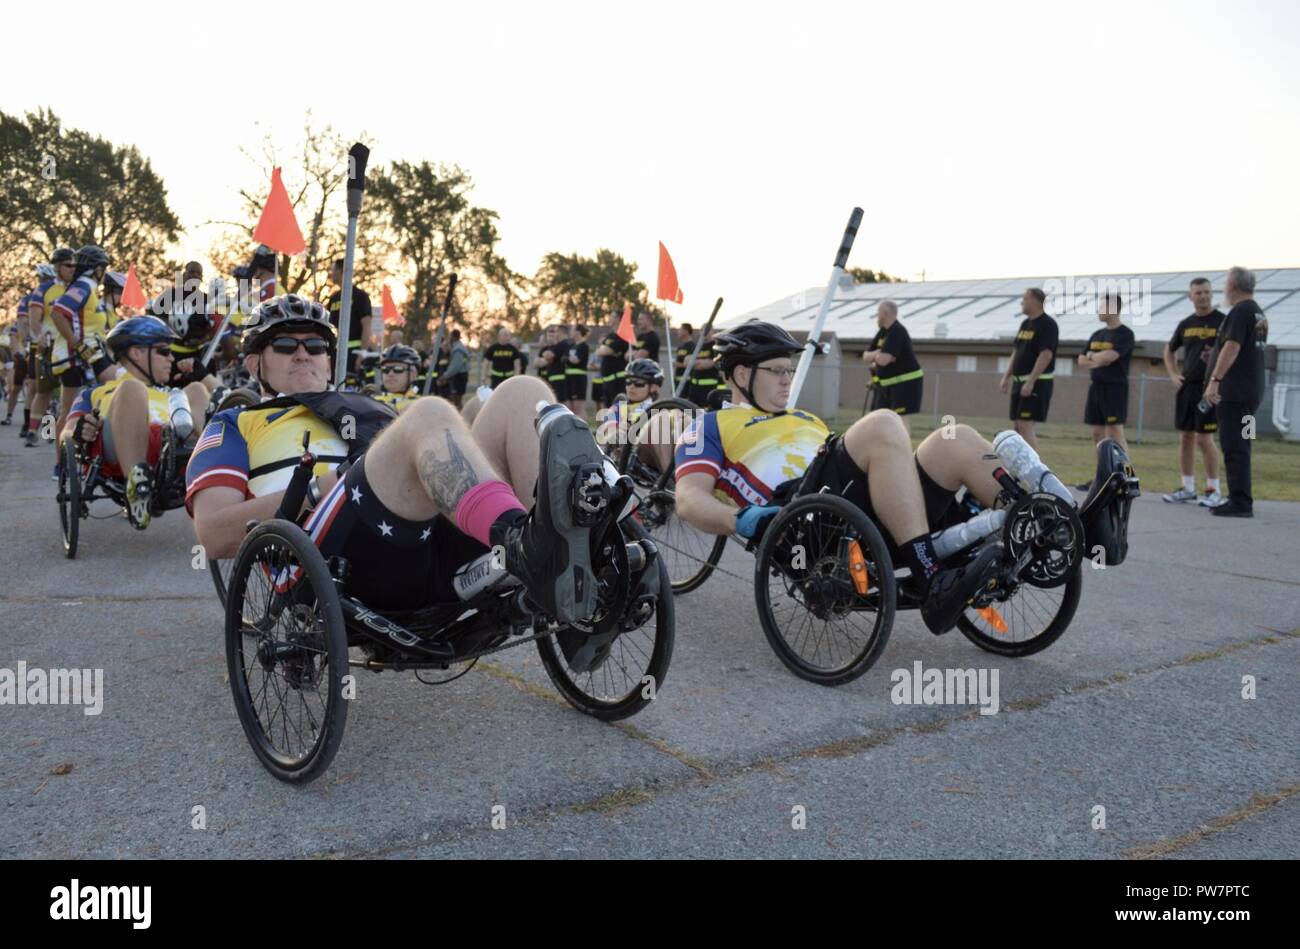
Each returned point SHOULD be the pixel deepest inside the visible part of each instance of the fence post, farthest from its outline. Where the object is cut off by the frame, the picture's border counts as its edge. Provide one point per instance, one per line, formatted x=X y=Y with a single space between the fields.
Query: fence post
x=938 y=378
x=1142 y=405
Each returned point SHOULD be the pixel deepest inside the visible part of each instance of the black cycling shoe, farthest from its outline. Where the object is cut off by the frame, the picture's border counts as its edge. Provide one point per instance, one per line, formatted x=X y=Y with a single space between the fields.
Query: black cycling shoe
x=550 y=549
x=951 y=590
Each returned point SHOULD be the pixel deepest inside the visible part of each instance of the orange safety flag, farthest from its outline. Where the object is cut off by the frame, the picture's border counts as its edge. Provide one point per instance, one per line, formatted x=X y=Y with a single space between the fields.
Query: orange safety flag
x=668 y=288
x=625 y=330
x=277 y=228
x=391 y=314
x=133 y=293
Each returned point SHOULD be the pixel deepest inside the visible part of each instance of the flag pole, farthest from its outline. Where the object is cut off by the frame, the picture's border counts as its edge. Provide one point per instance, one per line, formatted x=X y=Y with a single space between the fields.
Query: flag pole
x=358 y=155
x=699 y=341
x=668 y=345
x=811 y=346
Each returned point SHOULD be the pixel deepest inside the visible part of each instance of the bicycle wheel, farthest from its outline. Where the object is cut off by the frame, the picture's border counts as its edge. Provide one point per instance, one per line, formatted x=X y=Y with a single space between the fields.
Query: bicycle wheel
x=70 y=499
x=689 y=555
x=1028 y=621
x=824 y=587
x=286 y=651
x=632 y=672
x=220 y=572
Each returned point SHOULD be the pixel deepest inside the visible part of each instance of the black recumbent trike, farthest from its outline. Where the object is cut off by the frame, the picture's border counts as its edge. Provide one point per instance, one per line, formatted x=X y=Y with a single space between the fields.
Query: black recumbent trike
x=291 y=619
x=825 y=582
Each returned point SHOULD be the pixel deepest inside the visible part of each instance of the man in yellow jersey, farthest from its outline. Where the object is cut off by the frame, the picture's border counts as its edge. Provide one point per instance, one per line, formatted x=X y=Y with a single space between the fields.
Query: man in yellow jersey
x=399 y=367
x=736 y=464
x=420 y=494
x=42 y=333
x=74 y=358
x=123 y=419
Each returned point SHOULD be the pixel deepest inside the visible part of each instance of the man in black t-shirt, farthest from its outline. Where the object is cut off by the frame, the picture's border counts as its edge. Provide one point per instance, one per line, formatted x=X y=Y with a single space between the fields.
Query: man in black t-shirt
x=647 y=340
x=896 y=376
x=575 y=371
x=504 y=358
x=1032 y=368
x=1107 y=358
x=358 y=321
x=1236 y=387
x=1195 y=335
x=683 y=346
x=705 y=378
x=553 y=359
x=612 y=353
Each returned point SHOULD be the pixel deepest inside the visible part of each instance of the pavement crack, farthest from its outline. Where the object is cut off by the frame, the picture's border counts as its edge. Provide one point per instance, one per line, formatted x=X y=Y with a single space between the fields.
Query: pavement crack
x=1258 y=804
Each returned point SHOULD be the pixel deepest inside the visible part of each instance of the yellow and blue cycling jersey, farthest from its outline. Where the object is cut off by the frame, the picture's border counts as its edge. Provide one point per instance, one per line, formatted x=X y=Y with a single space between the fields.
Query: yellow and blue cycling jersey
x=618 y=416
x=99 y=397
x=400 y=401
x=255 y=450
x=78 y=305
x=749 y=452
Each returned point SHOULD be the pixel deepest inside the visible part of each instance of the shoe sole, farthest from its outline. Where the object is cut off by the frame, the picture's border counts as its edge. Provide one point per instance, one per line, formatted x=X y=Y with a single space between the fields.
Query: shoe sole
x=138 y=522
x=972 y=580
x=567 y=443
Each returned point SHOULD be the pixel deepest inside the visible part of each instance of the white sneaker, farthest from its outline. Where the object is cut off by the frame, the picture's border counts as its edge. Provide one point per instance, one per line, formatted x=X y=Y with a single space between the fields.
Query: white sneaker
x=1179 y=496
x=1213 y=499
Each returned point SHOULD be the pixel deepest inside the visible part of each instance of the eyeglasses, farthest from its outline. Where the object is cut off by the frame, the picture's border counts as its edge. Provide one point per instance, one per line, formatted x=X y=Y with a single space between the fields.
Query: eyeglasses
x=394 y=370
x=785 y=373
x=288 y=345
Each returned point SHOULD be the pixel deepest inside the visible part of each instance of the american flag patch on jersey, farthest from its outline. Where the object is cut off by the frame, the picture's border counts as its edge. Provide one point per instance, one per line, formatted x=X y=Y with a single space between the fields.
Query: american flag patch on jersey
x=210 y=440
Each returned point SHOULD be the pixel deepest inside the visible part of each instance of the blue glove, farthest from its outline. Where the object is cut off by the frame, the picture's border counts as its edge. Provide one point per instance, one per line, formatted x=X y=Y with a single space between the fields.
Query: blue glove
x=748 y=518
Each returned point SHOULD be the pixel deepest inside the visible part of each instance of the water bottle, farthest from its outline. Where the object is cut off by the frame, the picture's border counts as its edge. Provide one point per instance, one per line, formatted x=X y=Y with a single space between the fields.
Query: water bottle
x=480 y=575
x=948 y=542
x=178 y=407
x=1024 y=464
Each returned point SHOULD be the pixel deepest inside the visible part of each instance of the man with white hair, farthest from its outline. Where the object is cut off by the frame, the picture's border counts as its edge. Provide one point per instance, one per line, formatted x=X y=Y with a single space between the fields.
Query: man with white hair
x=1236 y=387
x=896 y=376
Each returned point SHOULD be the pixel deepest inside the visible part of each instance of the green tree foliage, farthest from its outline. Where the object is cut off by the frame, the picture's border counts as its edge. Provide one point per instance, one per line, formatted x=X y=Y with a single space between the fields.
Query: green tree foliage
x=571 y=288
x=430 y=227
x=67 y=188
x=867 y=275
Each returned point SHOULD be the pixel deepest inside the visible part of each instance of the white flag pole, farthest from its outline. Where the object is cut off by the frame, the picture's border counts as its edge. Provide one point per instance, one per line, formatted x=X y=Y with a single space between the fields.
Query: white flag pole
x=812 y=346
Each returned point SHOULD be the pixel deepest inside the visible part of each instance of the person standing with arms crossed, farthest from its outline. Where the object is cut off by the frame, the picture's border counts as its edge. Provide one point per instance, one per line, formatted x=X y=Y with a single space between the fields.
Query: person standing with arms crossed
x=575 y=371
x=1032 y=368
x=1195 y=335
x=1109 y=352
x=1236 y=387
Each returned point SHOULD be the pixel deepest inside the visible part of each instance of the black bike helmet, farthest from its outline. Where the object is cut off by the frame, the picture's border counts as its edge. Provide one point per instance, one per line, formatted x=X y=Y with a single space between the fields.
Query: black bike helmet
x=64 y=255
x=748 y=345
x=88 y=258
x=403 y=354
x=288 y=314
x=115 y=281
x=647 y=370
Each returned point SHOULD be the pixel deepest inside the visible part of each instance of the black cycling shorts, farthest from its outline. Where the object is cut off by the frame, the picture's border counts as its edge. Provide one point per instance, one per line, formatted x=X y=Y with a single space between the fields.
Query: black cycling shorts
x=1032 y=408
x=1107 y=404
x=839 y=474
x=394 y=563
x=20 y=370
x=902 y=398
x=1187 y=417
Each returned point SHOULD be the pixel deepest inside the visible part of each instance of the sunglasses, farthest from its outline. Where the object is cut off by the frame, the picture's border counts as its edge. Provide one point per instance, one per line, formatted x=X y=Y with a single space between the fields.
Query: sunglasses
x=394 y=370
x=288 y=345
x=637 y=385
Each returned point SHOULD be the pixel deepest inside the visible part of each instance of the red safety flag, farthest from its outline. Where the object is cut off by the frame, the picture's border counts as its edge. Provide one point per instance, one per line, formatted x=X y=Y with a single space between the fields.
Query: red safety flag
x=625 y=330
x=668 y=288
x=391 y=315
x=133 y=293
x=277 y=228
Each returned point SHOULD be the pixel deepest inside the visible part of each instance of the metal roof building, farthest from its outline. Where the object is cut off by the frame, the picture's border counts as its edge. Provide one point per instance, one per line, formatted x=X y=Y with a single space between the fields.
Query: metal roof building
x=989 y=310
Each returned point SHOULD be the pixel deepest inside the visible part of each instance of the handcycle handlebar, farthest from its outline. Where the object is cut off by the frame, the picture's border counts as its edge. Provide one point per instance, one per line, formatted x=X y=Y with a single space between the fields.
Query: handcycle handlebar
x=291 y=503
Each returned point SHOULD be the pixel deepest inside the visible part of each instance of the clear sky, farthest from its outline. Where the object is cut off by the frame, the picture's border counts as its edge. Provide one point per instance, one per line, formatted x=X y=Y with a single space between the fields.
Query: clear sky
x=992 y=139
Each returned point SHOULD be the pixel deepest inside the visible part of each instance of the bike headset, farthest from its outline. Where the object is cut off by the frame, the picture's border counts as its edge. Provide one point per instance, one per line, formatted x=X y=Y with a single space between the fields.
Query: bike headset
x=748 y=345
x=289 y=313
x=139 y=331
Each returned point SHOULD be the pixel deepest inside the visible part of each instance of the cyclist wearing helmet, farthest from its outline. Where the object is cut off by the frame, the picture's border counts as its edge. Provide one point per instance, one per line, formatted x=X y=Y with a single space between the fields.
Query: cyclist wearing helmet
x=133 y=408
x=42 y=332
x=655 y=441
x=422 y=495
x=22 y=348
x=735 y=465
x=399 y=367
x=74 y=359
